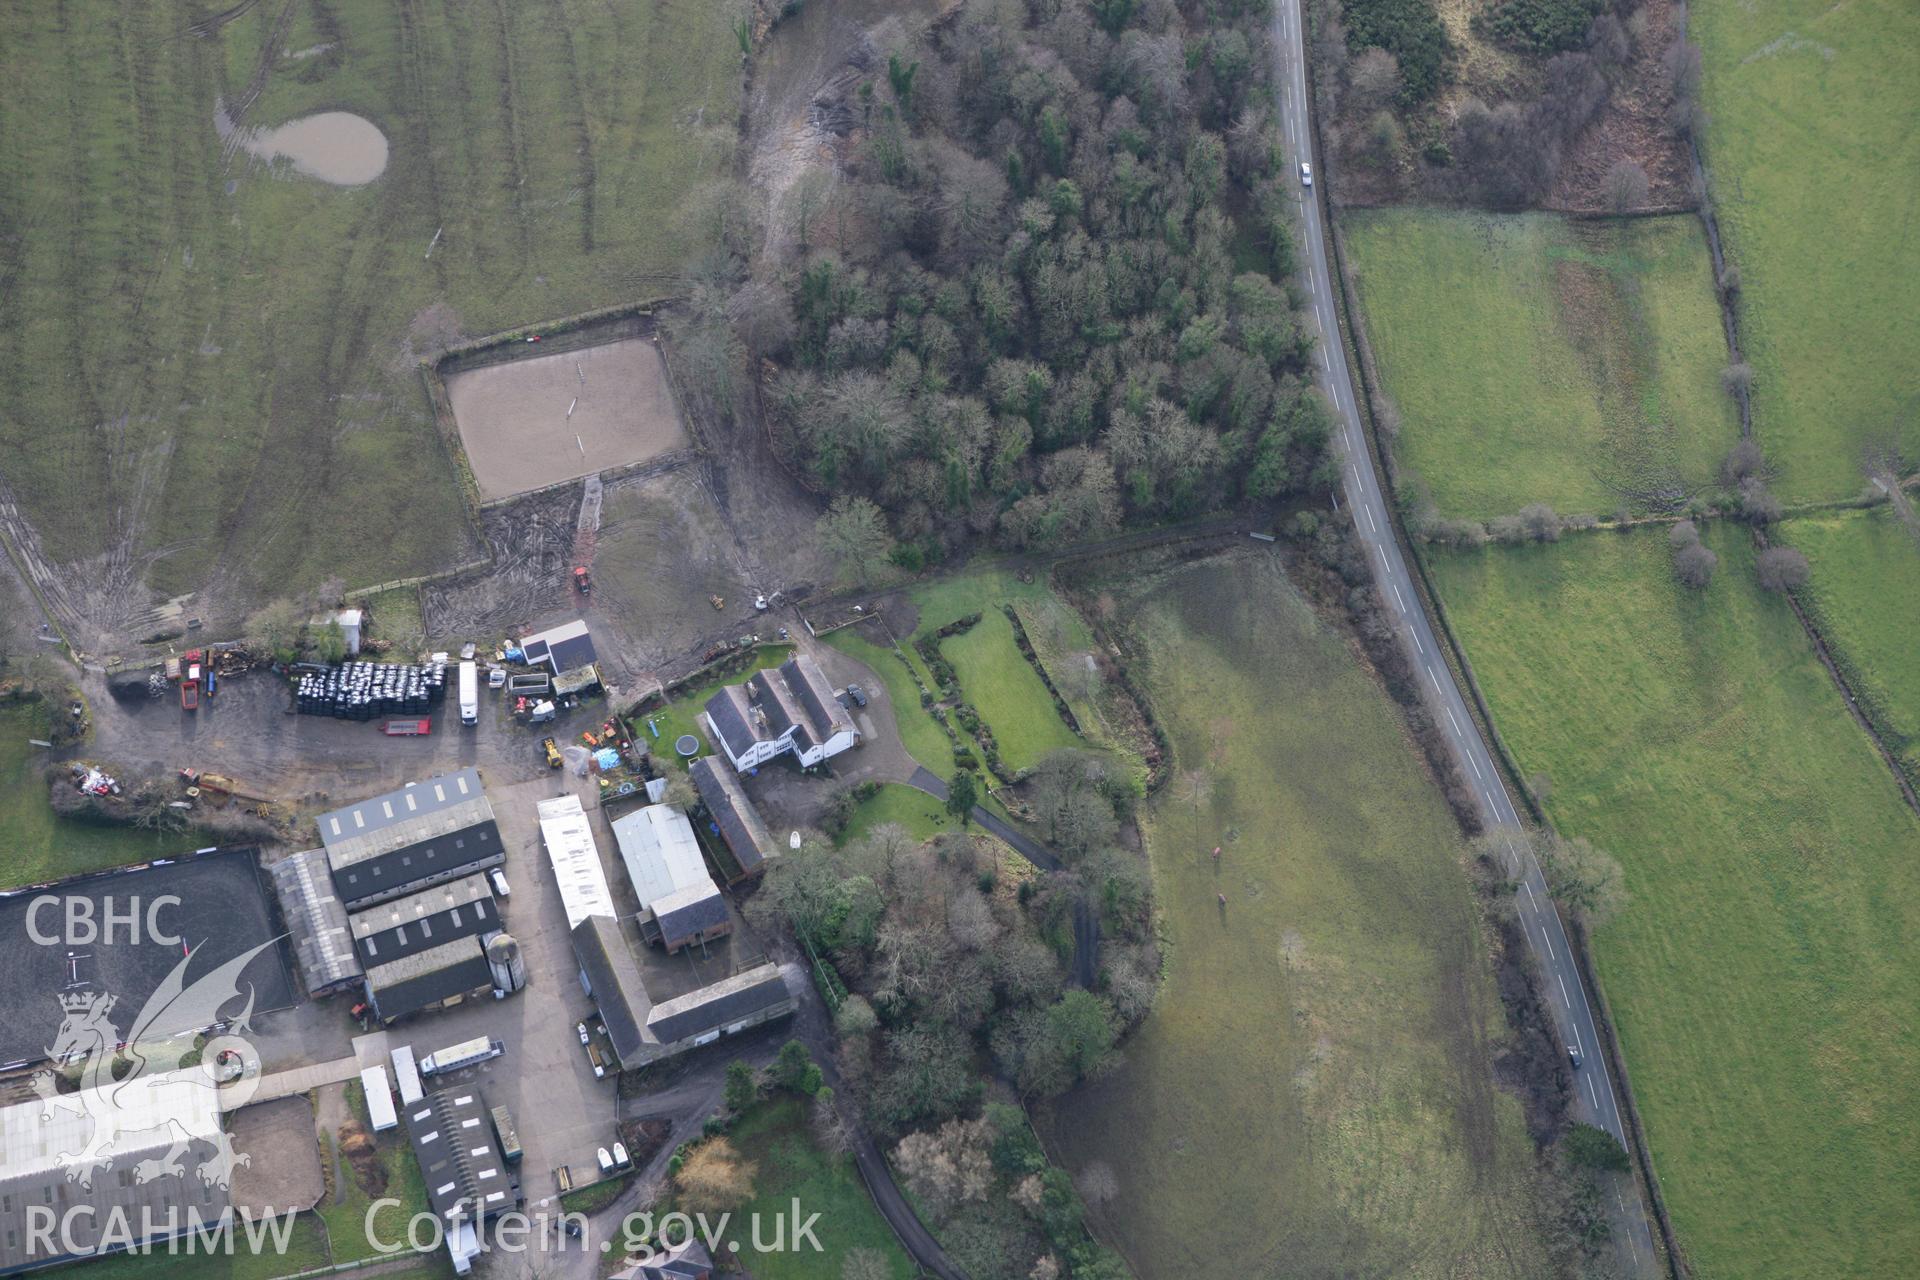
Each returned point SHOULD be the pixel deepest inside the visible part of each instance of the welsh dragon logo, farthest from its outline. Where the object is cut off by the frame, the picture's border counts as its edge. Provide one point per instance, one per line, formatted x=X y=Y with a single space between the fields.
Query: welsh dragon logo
x=110 y=1094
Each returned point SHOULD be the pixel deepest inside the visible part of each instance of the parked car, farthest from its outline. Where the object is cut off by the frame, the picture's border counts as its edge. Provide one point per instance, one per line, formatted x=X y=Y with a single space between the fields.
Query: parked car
x=606 y=1160
x=500 y=885
x=620 y=1155
x=858 y=695
x=496 y=677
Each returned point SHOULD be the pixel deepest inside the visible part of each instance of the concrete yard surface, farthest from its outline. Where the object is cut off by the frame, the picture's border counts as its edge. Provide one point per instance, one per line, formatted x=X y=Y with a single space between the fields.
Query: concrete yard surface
x=534 y=422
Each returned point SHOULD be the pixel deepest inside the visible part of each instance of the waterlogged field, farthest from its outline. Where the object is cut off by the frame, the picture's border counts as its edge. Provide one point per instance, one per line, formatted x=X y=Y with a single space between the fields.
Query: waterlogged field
x=1816 y=175
x=1538 y=359
x=1865 y=595
x=211 y=358
x=1761 y=976
x=1313 y=1093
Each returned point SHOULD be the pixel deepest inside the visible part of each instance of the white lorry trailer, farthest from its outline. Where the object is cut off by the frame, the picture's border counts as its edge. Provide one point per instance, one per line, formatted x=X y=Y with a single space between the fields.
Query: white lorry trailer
x=469 y=693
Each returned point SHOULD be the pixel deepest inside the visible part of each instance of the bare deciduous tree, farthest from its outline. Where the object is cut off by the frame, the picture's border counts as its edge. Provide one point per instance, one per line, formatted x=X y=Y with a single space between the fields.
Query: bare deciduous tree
x=1626 y=186
x=1781 y=569
x=1693 y=565
x=853 y=533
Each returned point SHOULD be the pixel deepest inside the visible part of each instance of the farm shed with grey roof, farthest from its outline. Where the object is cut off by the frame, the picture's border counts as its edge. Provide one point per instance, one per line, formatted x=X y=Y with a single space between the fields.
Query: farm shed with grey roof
x=317 y=919
x=467 y=1179
x=733 y=815
x=567 y=647
x=166 y=1107
x=420 y=921
x=611 y=977
x=754 y=995
x=690 y=916
x=428 y=978
x=422 y=834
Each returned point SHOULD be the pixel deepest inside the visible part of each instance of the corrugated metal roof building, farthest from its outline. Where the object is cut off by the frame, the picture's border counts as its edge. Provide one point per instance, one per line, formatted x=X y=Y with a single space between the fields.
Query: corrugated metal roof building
x=422 y=834
x=429 y=979
x=660 y=851
x=147 y=1116
x=575 y=857
x=317 y=919
x=440 y=913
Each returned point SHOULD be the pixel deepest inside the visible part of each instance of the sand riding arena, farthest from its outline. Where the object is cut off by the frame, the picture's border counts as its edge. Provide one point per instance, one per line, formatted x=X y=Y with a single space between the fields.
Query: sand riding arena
x=542 y=419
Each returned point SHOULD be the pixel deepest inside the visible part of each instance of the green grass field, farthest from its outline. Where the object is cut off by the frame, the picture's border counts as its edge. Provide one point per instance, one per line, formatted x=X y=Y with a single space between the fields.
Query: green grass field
x=791 y=1166
x=1815 y=166
x=306 y=1250
x=1313 y=1093
x=214 y=361
x=346 y=1217
x=40 y=846
x=922 y=815
x=1009 y=694
x=1865 y=593
x=1538 y=359
x=1762 y=974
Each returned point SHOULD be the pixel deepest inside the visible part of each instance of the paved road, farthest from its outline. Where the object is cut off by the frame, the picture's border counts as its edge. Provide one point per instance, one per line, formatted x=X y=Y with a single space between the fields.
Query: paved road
x=1594 y=1100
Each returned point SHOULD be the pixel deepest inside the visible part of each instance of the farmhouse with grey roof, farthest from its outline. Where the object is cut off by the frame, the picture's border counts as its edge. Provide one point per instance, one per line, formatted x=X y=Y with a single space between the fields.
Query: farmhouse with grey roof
x=789 y=709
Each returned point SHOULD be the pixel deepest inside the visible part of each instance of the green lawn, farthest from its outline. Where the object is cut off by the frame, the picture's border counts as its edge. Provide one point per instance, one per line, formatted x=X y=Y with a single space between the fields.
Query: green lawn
x=790 y=1167
x=683 y=714
x=213 y=361
x=922 y=815
x=1816 y=174
x=1865 y=592
x=1539 y=359
x=40 y=846
x=1008 y=693
x=1313 y=1094
x=1762 y=976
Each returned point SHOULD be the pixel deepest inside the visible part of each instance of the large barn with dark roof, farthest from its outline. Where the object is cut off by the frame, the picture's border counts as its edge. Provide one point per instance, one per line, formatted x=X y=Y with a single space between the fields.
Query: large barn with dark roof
x=423 y=834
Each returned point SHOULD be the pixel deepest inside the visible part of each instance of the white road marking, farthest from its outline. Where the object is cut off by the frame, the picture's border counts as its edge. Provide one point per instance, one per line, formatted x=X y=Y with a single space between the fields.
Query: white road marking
x=1475 y=762
x=1434 y=678
x=1563 y=991
x=1549 y=941
x=1529 y=888
x=1450 y=719
x=1368 y=513
x=1592 y=1094
x=1398 y=598
x=1419 y=648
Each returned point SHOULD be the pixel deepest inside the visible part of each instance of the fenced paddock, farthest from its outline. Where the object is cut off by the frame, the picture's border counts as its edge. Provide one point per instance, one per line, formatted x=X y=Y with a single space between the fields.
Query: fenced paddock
x=532 y=422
